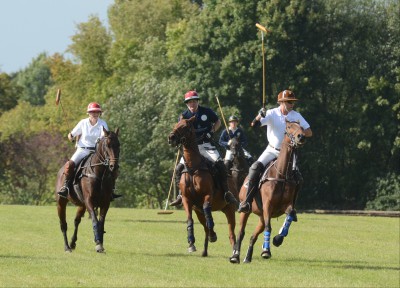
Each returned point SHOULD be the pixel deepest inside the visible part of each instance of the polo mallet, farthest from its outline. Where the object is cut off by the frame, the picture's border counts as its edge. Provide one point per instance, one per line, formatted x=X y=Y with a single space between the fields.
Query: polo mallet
x=223 y=117
x=262 y=29
x=170 y=188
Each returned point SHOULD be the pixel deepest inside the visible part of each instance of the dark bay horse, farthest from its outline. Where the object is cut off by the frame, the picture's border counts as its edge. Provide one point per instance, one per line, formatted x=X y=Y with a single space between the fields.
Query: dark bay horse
x=199 y=192
x=93 y=190
x=240 y=166
x=277 y=194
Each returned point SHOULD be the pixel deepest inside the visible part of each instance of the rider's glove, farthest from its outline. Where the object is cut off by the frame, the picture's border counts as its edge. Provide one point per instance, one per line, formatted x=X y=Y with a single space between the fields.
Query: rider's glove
x=262 y=112
x=229 y=142
x=209 y=135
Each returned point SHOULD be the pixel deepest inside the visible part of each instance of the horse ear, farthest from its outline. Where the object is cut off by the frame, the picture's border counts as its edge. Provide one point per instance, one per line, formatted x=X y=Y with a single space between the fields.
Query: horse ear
x=192 y=118
x=105 y=131
x=117 y=131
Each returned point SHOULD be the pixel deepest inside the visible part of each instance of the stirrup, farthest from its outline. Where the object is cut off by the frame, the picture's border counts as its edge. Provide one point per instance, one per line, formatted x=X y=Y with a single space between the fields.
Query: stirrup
x=244 y=207
x=64 y=191
x=115 y=196
x=177 y=202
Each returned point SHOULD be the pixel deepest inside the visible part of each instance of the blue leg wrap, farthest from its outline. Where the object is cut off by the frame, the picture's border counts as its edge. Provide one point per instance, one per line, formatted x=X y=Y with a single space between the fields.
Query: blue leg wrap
x=209 y=219
x=285 y=228
x=267 y=235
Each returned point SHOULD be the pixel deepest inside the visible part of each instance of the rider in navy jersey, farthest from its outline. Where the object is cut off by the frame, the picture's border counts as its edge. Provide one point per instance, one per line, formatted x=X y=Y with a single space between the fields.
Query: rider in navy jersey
x=206 y=124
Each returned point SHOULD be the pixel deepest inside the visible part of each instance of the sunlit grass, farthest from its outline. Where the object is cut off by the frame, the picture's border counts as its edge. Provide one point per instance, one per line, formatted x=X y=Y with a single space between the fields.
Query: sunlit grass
x=145 y=249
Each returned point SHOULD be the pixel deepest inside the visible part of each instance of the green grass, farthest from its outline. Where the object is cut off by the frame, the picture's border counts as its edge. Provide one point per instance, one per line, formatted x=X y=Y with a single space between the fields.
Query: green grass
x=145 y=249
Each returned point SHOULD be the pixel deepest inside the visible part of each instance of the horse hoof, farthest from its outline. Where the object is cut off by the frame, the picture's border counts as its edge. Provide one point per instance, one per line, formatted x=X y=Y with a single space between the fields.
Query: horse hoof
x=213 y=237
x=68 y=250
x=204 y=254
x=234 y=259
x=192 y=249
x=246 y=261
x=278 y=240
x=100 y=248
x=266 y=254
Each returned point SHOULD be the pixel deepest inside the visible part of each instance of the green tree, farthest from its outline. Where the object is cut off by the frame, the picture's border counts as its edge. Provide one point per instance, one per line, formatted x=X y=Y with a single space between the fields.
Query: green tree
x=34 y=80
x=9 y=93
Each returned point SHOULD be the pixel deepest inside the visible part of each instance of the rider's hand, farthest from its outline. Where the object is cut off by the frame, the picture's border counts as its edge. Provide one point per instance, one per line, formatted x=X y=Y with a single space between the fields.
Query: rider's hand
x=262 y=112
x=229 y=142
x=71 y=138
x=209 y=135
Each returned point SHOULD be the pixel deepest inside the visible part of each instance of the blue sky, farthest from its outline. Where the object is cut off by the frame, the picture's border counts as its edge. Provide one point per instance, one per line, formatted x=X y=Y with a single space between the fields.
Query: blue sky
x=30 y=27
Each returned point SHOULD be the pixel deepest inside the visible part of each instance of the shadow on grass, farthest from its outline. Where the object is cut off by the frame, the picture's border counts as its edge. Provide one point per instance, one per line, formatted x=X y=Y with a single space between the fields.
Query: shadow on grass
x=340 y=264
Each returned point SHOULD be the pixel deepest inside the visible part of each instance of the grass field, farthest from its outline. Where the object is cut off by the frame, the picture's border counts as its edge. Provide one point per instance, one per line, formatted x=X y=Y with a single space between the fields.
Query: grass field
x=145 y=249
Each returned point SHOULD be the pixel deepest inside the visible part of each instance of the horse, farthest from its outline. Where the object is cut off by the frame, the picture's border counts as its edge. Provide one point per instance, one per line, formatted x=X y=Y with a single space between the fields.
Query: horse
x=278 y=190
x=92 y=189
x=240 y=166
x=199 y=191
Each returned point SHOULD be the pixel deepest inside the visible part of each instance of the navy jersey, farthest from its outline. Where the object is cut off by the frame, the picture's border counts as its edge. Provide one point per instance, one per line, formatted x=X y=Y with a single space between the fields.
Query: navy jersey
x=205 y=119
x=224 y=138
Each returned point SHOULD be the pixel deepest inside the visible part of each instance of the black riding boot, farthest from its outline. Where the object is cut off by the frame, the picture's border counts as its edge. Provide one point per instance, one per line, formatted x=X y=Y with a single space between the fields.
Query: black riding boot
x=254 y=177
x=69 y=174
x=178 y=174
x=228 y=196
x=228 y=166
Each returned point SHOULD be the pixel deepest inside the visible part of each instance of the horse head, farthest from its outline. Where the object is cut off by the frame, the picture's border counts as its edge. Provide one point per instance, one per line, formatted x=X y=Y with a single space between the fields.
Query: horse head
x=183 y=132
x=295 y=134
x=108 y=149
x=235 y=146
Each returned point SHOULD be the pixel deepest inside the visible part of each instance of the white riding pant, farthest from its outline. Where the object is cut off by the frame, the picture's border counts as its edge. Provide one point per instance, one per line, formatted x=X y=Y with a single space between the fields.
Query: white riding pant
x=268 y=154
x=229 y=155
x=208 y=151
x=79 y=154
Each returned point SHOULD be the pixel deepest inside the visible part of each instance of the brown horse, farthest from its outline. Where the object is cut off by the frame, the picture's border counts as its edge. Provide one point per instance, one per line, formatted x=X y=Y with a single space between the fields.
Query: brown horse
x=278 y=191
x=199 y=191
x=95 y=181
x=240 y=167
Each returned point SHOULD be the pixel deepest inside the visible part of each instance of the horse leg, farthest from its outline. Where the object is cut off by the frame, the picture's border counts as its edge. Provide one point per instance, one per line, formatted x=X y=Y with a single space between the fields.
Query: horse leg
x=79 y=214
x=100 y=226
x=212 y=236
x=266 y=248
x=253 y=239
x=284 y=231
x=235 y=258
x=96 y=228
x=190 y=228
x=203 y=221
x=62 y=215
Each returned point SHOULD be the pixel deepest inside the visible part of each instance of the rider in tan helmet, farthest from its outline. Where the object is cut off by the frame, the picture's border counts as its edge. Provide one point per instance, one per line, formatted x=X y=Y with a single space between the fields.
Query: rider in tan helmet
x=275 y=120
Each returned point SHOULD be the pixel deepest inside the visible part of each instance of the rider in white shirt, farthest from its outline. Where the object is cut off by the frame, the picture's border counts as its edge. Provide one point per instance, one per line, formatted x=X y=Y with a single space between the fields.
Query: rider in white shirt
x=275 y=120
x=89 y=130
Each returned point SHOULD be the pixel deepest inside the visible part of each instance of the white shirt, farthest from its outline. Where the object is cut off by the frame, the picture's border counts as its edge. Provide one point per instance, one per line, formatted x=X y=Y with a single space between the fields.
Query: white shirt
x=276 y=122
x=89 y=133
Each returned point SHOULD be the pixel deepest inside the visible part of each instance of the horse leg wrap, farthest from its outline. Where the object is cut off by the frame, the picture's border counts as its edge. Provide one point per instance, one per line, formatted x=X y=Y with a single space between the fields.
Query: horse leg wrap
x=285 y=228
x=267 y=236
x=207 y=214
x=190 y=232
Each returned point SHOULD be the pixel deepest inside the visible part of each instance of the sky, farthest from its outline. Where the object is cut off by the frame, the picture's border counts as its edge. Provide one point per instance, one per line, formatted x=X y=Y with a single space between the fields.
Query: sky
x=30 y=27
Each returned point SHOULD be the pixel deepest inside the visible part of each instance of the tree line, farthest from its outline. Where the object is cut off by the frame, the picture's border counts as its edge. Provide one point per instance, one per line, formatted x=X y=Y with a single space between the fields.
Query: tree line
x=341 y=59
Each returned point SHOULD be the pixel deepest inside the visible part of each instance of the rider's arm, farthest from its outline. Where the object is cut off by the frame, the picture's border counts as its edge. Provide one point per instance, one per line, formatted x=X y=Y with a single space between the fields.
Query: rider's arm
x=308 y=132
x=216 y=126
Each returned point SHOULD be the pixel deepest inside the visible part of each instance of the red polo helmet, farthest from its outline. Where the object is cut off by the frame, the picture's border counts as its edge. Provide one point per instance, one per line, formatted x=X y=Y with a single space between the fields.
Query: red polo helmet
x=94 y=107
x=191 y=95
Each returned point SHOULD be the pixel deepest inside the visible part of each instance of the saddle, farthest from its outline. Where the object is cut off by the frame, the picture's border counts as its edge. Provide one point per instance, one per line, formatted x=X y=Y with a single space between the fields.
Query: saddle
x=78 y=174
x=294 y=177
x=206 y=165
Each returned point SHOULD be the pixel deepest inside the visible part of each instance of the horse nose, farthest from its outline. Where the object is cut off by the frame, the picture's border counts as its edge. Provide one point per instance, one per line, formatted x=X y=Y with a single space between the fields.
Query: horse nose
x=301 y=137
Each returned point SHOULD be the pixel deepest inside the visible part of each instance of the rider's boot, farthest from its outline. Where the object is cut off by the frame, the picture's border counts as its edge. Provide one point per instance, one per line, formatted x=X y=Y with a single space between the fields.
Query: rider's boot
x=115 y=196
x=69 y=174
x=254 y=177
x=228 y=165
x=228 y=196
x=178 y=173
